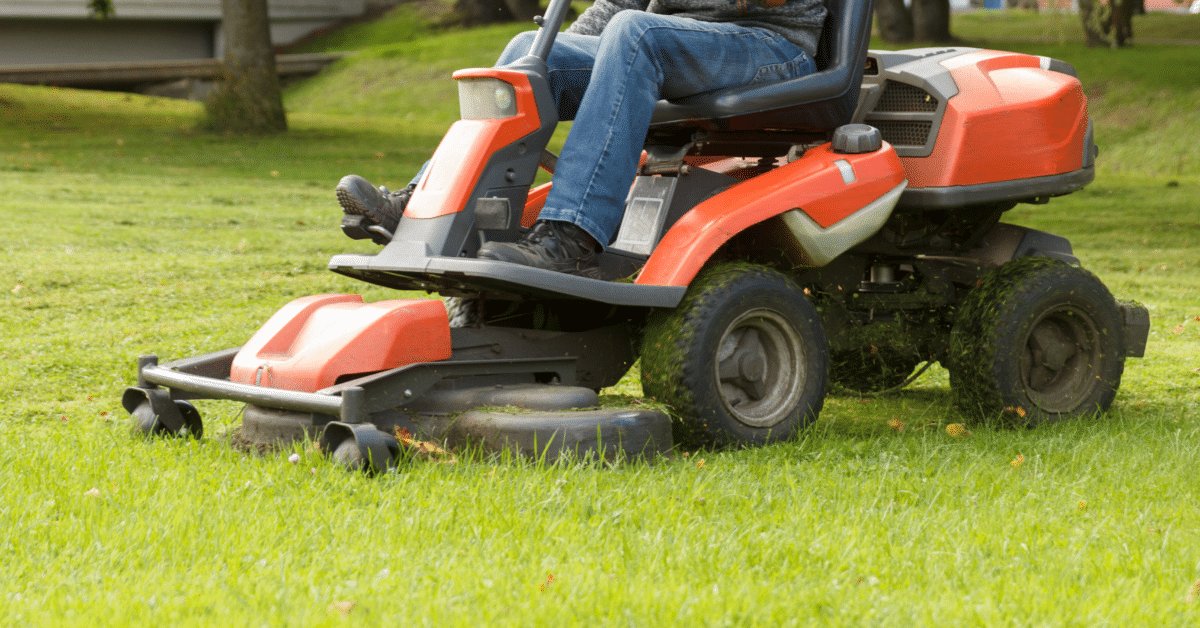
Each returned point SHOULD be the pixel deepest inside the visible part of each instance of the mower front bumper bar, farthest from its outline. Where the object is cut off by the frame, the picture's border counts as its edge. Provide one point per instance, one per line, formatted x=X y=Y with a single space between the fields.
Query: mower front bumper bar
x=207 y=377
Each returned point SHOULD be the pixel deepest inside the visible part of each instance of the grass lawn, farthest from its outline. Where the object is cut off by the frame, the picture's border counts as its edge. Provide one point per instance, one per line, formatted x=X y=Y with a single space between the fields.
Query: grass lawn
x=125 y=232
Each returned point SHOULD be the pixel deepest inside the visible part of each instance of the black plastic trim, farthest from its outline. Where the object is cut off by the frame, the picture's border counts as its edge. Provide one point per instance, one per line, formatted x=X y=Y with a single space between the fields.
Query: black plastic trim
x=1019 y=190
x=919 y=68
x=1055 y=65
x=1137 y=328
x=465 y=273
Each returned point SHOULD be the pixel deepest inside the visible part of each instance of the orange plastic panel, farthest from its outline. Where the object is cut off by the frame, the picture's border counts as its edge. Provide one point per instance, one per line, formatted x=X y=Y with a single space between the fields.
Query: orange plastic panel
x=459 y=160
x=1011 y=120
x=313 y=340
x=813 y=184
x=534 y=203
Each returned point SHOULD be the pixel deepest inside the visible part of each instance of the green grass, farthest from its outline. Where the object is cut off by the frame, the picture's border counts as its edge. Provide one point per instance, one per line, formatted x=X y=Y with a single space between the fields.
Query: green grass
x=124 y=232
x=407 y=81
x=406 y=22
x=1059 y=27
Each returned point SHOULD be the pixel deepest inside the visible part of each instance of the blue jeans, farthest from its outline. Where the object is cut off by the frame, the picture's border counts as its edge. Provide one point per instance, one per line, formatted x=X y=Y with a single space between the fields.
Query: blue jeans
x=609 y=85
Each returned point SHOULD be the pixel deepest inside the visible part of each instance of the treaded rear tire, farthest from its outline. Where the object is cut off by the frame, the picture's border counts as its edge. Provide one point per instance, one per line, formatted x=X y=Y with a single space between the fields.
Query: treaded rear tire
x=743 y=359
x=462 y=311
x=1038 y=341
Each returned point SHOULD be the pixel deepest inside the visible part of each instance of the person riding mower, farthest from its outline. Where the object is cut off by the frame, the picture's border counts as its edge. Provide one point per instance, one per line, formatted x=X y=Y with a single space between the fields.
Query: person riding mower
x=841 y=225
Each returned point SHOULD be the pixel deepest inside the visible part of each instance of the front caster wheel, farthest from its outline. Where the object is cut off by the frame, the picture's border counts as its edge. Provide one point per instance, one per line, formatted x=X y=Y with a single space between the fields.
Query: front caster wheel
x=360 y=447
x=1039 y=341
x=158 y=415
x=743 y=359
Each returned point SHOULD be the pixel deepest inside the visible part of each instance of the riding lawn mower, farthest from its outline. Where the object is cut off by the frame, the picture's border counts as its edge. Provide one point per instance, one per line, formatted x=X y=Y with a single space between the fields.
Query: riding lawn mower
x=840 y=228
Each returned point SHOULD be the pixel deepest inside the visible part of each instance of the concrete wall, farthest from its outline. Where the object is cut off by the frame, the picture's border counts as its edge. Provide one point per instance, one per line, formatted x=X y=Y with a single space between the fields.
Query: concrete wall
x=35 y=42
x=49 y=32
x=180 y=9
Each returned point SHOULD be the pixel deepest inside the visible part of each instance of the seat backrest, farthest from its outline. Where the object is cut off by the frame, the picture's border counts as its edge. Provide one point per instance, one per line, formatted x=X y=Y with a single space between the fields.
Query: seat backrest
x=817 y=103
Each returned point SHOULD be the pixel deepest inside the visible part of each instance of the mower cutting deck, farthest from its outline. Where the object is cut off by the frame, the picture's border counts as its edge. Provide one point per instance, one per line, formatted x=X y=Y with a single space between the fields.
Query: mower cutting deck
x=842 y=226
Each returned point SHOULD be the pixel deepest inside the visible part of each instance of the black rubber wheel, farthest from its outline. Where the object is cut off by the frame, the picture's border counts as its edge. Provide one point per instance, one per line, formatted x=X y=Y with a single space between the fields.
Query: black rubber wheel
x=349 y=456
x=1037 y=341
x=146 y=422
x=192 y=424
x=871 y=371
x=743 y=359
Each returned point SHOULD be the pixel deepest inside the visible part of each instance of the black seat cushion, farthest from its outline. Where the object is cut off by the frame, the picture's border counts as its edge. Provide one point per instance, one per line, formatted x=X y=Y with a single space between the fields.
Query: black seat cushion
x=817 y=103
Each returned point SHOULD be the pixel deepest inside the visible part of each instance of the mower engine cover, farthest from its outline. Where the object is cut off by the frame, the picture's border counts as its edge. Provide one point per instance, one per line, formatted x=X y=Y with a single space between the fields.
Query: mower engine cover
x=313 y=341
x=963 y=116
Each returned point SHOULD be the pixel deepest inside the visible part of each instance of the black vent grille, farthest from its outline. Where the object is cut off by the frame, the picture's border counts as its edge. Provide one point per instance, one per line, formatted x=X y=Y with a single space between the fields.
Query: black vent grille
x=872 y=68
x=902 y=98
x=904 y=132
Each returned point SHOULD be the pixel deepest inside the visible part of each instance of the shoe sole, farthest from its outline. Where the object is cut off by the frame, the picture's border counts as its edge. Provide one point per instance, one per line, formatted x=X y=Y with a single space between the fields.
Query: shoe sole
x=350 y=204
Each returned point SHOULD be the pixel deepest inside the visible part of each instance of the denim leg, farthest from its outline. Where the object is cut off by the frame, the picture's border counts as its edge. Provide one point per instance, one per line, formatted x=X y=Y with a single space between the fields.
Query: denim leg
x=641 y=58
x=569 y=68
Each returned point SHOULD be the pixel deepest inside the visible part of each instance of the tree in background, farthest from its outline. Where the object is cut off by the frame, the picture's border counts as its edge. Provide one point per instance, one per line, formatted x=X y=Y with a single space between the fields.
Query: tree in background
x=1108 y=22
x=100 y=9
x=248 y=100
x=926 y=20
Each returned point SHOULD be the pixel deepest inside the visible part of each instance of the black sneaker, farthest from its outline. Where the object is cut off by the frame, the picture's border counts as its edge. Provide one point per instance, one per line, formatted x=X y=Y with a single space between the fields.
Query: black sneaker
x=365 y=206
x=549 y=245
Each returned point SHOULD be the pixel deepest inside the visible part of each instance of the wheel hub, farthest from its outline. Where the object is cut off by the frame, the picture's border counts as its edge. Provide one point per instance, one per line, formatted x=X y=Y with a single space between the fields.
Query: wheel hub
x=1061 y=362
x=760 y=368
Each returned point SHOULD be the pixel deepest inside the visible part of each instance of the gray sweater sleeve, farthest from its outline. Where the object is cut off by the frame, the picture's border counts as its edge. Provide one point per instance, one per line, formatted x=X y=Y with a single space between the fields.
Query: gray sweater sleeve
x=595 y=17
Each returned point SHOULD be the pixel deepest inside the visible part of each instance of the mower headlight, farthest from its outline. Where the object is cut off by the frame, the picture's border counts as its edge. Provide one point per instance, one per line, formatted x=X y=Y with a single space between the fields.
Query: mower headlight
x=486 y=99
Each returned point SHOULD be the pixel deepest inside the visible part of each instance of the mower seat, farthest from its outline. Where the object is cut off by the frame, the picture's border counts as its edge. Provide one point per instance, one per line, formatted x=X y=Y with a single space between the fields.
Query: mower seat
x=817 y=103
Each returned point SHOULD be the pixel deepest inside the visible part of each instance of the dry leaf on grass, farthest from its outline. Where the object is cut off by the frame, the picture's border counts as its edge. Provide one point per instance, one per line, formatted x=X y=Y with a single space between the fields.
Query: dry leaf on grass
x=424 y=450
x=957 y=430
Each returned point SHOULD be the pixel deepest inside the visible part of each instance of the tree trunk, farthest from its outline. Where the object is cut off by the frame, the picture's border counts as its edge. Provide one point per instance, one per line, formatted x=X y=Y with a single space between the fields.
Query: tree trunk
x=249 y=98
x=1108 y=25
x=1092 y=19
x=894 y=21
x=931 y=20
x=1122 y=21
